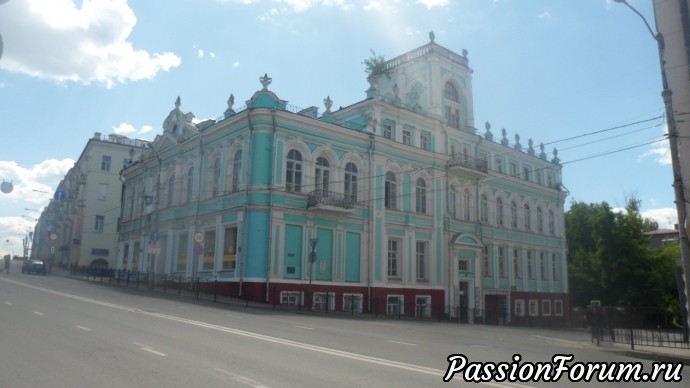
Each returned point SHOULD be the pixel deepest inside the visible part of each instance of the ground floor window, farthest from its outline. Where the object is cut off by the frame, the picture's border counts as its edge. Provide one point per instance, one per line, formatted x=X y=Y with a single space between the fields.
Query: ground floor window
x=291 y=298
x=230 y=248
x=519 y=307
x=395 y=305
x=546 y=307
x=423 y=306
x=324 y=301
x=352 y=303
x=181 y=264
x=558 y=308
x=533 y=307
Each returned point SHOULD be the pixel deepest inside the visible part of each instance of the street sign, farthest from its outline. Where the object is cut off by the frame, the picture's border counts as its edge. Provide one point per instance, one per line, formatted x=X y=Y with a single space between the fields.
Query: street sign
x=155 y=249
x=154 y=237
x=60 y=195
x=53 y=236
x=199 y=237
x=198 y=249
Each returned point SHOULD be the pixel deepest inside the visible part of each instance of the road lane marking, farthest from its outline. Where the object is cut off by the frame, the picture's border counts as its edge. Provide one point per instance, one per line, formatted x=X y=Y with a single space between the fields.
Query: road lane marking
x=8 y=303
x=234 y=315
x=82 y=328
x=315 y=348
x=38 y=313
x=149 y=349
x=555 y=339
x=402 y=343
x=242 y=379
x=304 y=327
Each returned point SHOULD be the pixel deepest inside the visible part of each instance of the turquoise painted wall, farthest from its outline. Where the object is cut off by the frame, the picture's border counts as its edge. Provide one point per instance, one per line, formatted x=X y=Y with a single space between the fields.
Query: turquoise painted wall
x=323 y=268
x=256 y=254
x=292 y=256
x=353 y=249
x=262 y=154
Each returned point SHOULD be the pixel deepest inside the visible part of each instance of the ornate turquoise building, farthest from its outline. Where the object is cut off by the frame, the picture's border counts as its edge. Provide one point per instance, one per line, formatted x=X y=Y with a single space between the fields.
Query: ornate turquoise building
x=396 y=204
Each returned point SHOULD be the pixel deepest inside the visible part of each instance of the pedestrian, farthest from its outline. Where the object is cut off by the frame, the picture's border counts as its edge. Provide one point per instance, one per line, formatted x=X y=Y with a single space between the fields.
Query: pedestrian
x=7 y=263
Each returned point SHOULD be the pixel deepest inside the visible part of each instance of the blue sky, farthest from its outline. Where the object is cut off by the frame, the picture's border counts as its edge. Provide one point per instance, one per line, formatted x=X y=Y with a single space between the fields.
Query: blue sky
x=546 y=70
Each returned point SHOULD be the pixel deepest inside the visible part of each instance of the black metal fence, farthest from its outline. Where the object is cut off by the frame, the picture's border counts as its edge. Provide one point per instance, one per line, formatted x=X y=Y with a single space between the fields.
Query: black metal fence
x=642 y=326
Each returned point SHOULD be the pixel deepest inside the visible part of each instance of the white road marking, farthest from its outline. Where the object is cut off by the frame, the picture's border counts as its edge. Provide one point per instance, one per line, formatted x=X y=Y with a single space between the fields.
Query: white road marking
x=234 y=315
x=149 y=349
x=8 y=303
x=242 y=379
x=38 y=313
x=402 y=343
x=82 y=328
x=304 y=327
x=315 y=348
x=554 y=339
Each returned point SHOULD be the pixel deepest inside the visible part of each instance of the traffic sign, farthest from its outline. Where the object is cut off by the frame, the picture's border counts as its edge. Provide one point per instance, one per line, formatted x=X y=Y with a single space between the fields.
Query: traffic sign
x=60 y=195
x=155 y=249
x=53 y=236
x=154 y=237
x=198 y=249
x=199 y=237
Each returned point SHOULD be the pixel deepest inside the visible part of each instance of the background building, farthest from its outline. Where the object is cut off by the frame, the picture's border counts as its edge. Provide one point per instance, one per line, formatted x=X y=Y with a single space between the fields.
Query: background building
x=79 y=226
x=396 y=204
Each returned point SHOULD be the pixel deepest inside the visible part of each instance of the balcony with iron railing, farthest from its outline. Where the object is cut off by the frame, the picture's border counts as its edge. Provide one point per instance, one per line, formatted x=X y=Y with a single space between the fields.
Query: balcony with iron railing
x=329 y=200
x=470 y=163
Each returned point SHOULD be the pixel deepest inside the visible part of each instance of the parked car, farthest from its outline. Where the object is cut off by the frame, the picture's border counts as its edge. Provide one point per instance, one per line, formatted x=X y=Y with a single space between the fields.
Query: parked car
x=34 y=266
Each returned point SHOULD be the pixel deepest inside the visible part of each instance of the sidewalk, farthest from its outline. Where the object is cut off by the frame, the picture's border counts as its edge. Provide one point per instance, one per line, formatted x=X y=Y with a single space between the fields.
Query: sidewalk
x=653 y=353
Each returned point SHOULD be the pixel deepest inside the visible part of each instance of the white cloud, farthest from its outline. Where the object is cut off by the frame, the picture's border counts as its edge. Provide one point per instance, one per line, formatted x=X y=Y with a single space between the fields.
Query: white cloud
x=268 y=16
x=200 y=53
x=433 y=3
x=546 y=15
x=665 y=217
x=130 y=131
x=236 y=65
x=372 y=5
x=56 y=40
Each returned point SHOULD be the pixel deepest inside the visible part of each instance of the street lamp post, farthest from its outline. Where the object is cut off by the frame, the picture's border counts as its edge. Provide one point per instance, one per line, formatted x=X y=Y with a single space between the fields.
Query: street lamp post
x=666 y=94
x=312 y=260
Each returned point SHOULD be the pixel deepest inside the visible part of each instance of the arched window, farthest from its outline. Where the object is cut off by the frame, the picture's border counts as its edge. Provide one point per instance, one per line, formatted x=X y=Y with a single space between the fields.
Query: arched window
x=513 y=215
x=450 y=92
x=190 y=185
x=484 y=208
x=391 y=199
x=215 y=179
x=552 y=223
x=420 y=196
x=499 y=211
x=528 y=220
x=293 y=174
x=351 y=182
x=322 y=174
x=236 y=171
x=540 y=221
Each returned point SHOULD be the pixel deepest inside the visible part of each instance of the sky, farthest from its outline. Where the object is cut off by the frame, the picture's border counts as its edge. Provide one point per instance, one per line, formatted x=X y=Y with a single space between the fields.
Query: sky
x=581 y=76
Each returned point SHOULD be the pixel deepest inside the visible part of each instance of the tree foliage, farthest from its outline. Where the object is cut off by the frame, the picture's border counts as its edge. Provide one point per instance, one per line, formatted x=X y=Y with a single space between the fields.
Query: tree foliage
x=609 y=257
x=375 y=65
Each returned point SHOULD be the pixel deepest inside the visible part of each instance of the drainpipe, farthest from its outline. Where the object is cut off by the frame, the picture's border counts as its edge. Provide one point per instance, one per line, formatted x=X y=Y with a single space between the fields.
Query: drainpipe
x=370 y=246
x=246 y=198
x=270 y=205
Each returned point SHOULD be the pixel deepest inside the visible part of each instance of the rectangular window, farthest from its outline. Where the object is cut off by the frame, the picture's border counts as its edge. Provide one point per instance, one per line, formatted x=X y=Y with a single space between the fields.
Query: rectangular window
x=291 y=298
x=422 y=260
x=126 y=163
x=525 y=173
x=546 y=307
x=554 y=267
x=424 y=141
x=530 y=270
x=393 y=255
x=407 y=137
x=516 y=264
x=388 y=130
x=105 y=163
x=125 y=257
x=499 y=165
x=533 y=307
x=513 y=169
x=519 y=307
x=100 y=224
x=487 y=263
x=352 y=303
x=558 y=307
x=542 y=266
x=230 y=248
x=463 y=266
x=501 y=263
x=394 y=305
x=324 y=301
x=422 y=306
x=209 y=250
x=102 y=191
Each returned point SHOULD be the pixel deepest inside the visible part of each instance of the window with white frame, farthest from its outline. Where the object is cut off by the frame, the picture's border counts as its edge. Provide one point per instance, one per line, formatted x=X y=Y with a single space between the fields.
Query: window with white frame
x=501 y=262
x=422 y=260
x=487 y=263
x=293 y=172
x=190 y=185
x=322 y=175
x=291 y=298
x=466 y=200
x=407 y=137
x=527 y=218
x=388 y=130
x=422 y=306
x=453 y=200
x=540 y=220
x=424 y=141
x=499 y=165
x=519 y=307
x=390 y=191
x=395 y=305
x=525 y=173
x=352 y=303
x=236 y=171
x=513 y=169
x=533 y=307
x=513 y=214
x=420 y=196
x=171 y=190
x=552 y=223
x=542 y=266
x=230 y=248
x=516 y=264
x=484 y=203
x=102 y=191
x=181 y=262
x=393 y=258
x=324 y=301
x=546 y=307
x=463 y=265
x=351 y=181
x=215 y=178
x=100 y=224
x=499 y=211
x=105 y=163
x=530 y=267
x=554 y=267
x=558 y=307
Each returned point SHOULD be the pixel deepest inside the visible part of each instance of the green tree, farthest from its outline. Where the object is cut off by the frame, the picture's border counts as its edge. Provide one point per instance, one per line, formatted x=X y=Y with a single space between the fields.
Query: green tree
x=610 y=258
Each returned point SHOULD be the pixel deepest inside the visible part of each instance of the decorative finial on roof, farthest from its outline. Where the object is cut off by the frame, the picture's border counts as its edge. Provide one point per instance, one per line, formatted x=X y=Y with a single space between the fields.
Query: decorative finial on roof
x=178 y=102
x=328 y=103
x=530 y=150
x=555 y=156
x=518 y=146
x=542 y=154
x=432 y=36
x=265 y=81
x=231 y=101
x=488 y=135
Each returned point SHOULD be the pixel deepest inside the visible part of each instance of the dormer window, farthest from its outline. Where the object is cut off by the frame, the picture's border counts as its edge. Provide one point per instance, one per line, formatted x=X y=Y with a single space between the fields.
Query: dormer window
x=451 y=93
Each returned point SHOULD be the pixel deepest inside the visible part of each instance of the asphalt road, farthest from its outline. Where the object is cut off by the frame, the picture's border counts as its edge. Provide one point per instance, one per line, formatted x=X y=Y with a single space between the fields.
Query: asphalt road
x=62 y=332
